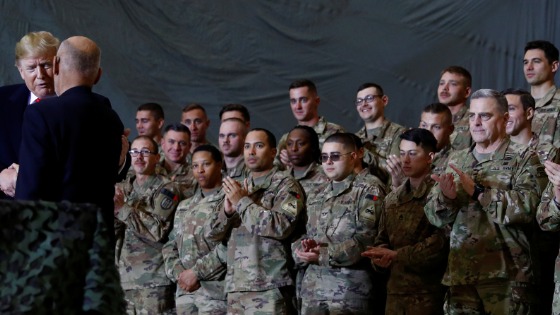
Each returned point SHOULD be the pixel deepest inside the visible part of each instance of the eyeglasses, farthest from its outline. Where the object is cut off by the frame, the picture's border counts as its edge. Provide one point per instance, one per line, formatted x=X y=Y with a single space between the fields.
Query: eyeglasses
x=144 y=152
x=334 y=157
x=483 y=116
x=368 y=99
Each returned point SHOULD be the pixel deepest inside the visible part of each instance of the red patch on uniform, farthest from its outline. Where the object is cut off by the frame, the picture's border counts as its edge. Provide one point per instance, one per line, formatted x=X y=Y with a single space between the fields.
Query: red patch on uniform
x=372 y=197
x=295 y=194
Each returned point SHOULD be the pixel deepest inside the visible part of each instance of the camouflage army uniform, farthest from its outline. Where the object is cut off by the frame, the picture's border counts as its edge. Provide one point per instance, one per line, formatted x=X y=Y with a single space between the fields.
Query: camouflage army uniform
x=490 y=240
x=239 y=172
x=439 y=164
x=461 y=136
x=546 y=123
x=548 y=217
x=343 y=219
x=311 y=178
x=182 y=176
x=382 y=142
x=370 y=179
x=414 y=285
x=258 y=252
x=189 y=240
x=545 y=150
x=57 y=258
x=142 y=227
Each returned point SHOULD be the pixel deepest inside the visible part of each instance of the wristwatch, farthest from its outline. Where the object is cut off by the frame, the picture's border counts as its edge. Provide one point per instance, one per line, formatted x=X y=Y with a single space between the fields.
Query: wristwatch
x=478 y=189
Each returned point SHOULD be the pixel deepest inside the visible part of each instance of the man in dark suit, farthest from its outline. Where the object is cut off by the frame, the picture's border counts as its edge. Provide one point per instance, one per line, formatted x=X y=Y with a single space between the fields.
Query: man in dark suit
x=71 y=144
x=34 y=56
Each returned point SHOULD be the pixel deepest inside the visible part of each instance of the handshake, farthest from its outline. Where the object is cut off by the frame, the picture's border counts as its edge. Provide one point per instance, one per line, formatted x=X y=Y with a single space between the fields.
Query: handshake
x=8 y=178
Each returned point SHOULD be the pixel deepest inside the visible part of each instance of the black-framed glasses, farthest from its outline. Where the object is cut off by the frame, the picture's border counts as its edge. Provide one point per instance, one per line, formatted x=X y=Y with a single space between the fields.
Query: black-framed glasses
x=334 y=157
x=144 y=152
x=368 y=99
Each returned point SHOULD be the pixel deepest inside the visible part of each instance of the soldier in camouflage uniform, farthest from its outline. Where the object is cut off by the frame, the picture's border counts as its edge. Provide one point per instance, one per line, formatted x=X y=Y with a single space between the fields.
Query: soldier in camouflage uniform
x=195 y=118
x=548 y=217
x=144 y=209
x=342 y=221
x=540 y=64
x=453 y=91
x=379 y=135
x=262 y=217
x=231 y=139
x=149 y=121
x=437 y=119
x=489 y=195
x=521 y=110
x=192 y=236
x=56 y=258
x=304 y=102
x=175 y=145
x=413 y=249
x=305 y=154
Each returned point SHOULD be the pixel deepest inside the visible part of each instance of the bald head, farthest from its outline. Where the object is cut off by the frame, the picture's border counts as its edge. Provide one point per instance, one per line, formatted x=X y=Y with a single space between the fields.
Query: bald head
x=77 y=64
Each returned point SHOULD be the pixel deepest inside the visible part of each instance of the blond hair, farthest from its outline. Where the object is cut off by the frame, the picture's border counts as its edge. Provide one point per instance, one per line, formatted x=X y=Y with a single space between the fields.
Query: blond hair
x=36 y=44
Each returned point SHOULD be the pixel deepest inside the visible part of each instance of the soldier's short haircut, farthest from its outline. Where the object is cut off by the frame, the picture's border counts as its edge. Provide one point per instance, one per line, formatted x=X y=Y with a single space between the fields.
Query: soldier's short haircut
x=304 y=83
x=241 y=122
x=460 y=71
x=214 y=152
x=371 y=85
x=153 y=142
x=526 y=99
x=439 y=108
x=489 y=93
x=194 y=106
x=269 y=135
x=36 y=44
x=313 y=141
x=153 y=108
x=236 y=108
x=177 y=127
x=550 y=51
x=422 y=137
x=344 y=138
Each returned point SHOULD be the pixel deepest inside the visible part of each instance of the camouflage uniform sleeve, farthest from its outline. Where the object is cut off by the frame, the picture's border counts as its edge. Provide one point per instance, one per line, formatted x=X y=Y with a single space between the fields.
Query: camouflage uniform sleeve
x=281 y=145
x=382 y=238
x=439 y=209
x=518 y=204
x=278 y=222
x=396 y=142
x=426 y=253
x=548 y=213
x=154 y=224
x=212 y=265
x=102 y=289
x=348 y=252
x=220 y=225
x=170 y=252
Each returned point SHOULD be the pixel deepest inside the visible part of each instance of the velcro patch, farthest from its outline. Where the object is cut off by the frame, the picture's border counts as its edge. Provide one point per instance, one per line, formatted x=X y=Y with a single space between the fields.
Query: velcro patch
x=372 y=197
x=168 y=199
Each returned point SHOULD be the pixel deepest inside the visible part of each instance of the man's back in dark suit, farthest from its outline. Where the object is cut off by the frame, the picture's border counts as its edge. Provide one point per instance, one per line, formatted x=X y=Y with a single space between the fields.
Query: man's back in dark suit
x=70 y=149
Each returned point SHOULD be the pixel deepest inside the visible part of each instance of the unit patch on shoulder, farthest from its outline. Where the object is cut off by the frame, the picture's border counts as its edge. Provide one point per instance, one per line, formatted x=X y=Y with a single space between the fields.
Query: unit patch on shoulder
x=369 y=215
x=292 y=203
x=372 y=197
x=167 y=199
